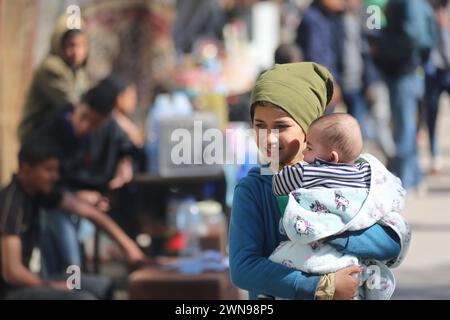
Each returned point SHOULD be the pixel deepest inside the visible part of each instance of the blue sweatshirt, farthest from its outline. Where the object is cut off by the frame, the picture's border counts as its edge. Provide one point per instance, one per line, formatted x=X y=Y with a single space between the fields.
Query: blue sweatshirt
x=254 y=235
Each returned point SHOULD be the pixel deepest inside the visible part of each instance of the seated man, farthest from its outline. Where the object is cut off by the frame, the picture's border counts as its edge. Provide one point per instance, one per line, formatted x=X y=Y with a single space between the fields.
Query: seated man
x=73 y=132
x=21 y=203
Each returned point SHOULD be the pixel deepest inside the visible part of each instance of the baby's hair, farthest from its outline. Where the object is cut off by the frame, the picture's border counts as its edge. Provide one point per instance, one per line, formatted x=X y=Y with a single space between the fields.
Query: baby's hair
x=341 y=132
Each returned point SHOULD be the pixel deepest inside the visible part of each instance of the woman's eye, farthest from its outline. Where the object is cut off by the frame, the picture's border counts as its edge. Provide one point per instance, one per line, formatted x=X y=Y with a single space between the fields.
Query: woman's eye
x=259 y=125
x=282 y=126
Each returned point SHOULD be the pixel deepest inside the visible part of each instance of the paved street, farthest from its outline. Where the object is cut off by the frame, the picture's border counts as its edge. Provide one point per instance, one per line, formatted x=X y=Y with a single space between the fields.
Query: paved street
x=425 y=274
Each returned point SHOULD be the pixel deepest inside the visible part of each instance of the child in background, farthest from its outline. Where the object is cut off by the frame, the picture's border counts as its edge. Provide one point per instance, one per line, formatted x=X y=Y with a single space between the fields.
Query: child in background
x=126 y=103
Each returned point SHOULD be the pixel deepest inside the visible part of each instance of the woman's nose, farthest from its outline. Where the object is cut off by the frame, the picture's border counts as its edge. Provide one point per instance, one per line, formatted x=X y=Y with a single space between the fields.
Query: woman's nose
x=272 y=137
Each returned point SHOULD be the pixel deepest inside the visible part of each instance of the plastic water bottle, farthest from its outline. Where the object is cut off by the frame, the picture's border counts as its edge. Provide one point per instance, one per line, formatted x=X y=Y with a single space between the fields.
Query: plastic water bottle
x=213 y=225
x=160 y=108
x=166 y=105
x=182 y=107
x=188 y=223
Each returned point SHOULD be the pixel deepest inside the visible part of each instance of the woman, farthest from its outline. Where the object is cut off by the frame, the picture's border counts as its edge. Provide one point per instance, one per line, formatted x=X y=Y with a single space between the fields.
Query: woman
x=288 y=98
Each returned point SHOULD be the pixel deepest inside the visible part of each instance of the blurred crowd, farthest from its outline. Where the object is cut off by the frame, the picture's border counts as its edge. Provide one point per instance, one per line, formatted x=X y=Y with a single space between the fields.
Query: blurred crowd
x=386 y=58
x=82 y=143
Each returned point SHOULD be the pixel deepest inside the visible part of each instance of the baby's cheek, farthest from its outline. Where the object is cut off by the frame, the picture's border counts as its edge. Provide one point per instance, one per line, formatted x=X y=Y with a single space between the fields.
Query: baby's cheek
x=307 y=156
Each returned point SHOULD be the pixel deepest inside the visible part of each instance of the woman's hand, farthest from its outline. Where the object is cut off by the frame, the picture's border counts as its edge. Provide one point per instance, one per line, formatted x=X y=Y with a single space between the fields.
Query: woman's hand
x=347 y=283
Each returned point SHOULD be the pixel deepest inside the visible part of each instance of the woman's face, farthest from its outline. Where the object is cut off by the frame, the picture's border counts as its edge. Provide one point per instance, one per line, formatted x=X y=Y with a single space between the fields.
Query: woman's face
x=290 y=138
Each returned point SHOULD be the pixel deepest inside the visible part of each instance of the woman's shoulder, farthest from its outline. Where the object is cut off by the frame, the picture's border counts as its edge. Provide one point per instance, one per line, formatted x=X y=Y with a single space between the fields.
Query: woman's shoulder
x=255 y=177
x=255 y=185
x=253 y=195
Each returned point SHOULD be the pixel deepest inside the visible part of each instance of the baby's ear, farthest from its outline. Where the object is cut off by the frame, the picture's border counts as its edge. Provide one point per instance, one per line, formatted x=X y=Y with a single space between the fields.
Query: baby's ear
x=334 y=157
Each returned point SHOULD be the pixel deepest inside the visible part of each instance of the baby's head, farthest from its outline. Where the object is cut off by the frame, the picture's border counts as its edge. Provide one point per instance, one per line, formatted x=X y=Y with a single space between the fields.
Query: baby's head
x=334 y=138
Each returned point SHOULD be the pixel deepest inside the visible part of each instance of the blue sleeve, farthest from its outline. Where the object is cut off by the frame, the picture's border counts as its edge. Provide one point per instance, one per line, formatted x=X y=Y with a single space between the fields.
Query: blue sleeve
x=377 y=242
x=250 y=269
x=288 y=179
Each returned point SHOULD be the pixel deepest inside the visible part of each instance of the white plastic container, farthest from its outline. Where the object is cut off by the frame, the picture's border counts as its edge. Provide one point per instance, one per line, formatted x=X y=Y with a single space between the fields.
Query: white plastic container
x=213 y=229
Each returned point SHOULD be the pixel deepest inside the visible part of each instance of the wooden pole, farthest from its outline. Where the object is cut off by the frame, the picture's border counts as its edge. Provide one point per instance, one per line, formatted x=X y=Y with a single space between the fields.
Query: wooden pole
x=18 y=21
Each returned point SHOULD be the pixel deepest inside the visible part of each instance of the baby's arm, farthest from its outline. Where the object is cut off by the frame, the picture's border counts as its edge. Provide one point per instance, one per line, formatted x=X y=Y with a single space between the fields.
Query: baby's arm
x=377 y=242
x=288 y=179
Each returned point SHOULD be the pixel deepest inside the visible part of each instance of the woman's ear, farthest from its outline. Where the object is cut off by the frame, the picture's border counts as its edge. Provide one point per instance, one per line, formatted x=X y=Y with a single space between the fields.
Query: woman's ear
x=334 y=157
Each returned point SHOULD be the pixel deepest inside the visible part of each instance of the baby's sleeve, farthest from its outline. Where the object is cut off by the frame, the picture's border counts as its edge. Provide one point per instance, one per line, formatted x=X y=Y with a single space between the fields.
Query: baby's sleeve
x=288 y=179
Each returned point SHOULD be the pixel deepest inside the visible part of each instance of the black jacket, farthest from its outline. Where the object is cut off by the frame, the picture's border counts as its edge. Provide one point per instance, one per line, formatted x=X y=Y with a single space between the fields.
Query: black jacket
x=89 y=162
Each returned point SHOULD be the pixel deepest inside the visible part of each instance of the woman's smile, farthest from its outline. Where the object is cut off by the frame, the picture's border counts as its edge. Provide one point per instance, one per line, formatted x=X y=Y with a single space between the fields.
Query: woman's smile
x=287 y=140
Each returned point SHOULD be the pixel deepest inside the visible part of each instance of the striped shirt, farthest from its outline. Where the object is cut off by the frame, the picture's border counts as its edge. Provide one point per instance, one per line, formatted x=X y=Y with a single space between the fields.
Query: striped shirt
x=19 y=216
x=321 y=174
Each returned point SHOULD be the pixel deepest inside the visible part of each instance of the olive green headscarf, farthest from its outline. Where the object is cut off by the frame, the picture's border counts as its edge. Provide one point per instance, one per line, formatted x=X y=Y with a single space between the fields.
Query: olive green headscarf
x=302 y=89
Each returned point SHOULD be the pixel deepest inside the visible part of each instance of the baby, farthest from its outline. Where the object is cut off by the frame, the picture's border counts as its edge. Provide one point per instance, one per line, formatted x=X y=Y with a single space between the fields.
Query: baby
x=333 y=144
x=332 y=191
